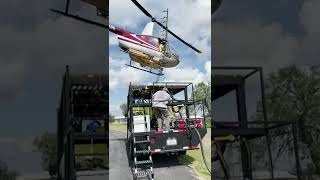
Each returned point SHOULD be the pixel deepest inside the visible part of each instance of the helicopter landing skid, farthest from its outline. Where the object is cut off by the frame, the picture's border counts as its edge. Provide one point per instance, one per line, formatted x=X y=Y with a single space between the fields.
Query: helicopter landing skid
x=149 y=71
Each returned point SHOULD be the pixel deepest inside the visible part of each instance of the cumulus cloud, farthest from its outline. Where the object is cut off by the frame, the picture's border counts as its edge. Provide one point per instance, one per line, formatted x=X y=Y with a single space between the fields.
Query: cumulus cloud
x=309 y=48
x=36 y=44
x=47 y=49
x=113 y=40
x=253 y=44
x=189 y=74
x=120 y=75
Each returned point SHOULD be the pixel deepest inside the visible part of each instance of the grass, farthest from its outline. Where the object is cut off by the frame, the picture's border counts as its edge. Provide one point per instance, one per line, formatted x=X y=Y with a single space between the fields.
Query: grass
x=193 y=158
x=86 y=149
x=118 y=127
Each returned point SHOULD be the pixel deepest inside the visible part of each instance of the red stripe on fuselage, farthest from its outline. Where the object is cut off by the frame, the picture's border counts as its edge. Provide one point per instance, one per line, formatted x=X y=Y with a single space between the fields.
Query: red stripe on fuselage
x=143 y=45
x=134 y=38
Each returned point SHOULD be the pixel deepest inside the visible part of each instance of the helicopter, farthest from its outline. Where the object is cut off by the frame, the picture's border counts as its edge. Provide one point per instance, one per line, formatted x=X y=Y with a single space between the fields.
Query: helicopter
x=146 y=49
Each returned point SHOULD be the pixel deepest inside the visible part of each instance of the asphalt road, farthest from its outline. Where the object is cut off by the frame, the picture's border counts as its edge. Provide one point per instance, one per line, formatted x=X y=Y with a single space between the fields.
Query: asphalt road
x=165 y=167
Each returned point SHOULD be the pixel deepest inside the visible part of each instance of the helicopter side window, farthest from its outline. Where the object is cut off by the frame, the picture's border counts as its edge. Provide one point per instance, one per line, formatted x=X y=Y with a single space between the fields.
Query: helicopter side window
x=150 y=39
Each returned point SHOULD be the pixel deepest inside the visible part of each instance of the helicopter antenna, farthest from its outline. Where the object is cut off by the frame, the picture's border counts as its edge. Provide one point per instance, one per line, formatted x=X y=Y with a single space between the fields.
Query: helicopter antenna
x=166 y=20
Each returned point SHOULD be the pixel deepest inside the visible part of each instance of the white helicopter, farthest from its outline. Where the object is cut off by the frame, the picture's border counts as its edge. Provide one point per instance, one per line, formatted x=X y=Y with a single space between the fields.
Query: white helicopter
x=146 y=49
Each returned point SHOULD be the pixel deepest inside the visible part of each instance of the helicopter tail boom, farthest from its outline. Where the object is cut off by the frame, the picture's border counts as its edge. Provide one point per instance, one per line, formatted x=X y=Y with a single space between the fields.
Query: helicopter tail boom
x=117 y=30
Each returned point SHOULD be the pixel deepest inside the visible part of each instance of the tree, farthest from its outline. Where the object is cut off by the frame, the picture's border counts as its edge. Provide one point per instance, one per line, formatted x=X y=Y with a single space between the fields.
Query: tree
x=47 y=146
x=124 y=109
x=111 y=118
x=202 y=91
x=294 y=94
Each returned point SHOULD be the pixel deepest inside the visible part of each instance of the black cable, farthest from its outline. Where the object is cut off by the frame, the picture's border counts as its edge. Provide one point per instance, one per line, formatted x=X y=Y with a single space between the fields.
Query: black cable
x=224 y=165
x=202 y=152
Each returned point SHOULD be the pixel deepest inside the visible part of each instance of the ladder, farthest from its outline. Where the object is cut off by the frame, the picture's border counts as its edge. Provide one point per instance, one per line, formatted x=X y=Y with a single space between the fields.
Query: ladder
x=143 y=164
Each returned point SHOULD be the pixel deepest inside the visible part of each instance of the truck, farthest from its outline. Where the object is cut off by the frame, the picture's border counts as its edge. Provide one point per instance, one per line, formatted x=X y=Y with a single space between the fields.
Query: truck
x=145 y=139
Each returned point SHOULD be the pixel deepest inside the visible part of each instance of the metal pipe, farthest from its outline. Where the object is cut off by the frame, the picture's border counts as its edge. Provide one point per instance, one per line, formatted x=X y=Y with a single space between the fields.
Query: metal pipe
x=265 y=118
x=296 y=150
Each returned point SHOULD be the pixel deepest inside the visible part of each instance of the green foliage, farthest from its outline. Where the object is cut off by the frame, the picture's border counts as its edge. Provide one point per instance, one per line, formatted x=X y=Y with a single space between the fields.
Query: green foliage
x=111 y=118
x=46 y=145
x=294 y=94
x=202 y=91
x=124 y=109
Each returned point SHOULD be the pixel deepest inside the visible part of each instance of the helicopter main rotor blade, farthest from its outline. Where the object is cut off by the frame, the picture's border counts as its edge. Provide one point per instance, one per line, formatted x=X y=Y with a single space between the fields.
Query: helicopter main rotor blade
x=142 y=9
x=180 y=39
x=161 y=25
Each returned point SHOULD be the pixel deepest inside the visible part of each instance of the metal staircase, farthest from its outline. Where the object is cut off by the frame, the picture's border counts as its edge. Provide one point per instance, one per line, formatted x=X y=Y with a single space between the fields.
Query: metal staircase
x=143 y=164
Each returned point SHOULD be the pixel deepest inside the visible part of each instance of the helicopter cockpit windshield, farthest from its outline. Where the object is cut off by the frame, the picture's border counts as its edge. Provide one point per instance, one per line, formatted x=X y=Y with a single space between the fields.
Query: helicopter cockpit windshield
x=171 y=52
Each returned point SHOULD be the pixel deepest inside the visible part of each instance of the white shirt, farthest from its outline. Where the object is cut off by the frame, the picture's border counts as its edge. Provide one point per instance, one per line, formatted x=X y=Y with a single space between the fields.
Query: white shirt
x=160 y=99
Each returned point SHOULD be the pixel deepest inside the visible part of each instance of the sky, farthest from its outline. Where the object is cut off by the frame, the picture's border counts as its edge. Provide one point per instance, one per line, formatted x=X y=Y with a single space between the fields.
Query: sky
x=191 y=20
x=270 y=34
x=35 y=46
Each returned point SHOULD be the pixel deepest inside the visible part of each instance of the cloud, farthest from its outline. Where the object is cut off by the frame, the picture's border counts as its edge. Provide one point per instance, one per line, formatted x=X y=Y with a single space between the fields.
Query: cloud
x=46 y=50
x=309 y=48
x=120 y=75
x=113 y=39
x=36 y=44
x=12 y=77
x=189 y=74
x=252 y=44
x=124 y=14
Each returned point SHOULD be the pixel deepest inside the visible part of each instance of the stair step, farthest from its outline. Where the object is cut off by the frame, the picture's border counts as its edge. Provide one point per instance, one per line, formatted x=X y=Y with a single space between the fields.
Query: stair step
x=142 y=141
x=144 y=173
x=142 y=152
x=144 y=162
x=141 y=134
x=141 y=123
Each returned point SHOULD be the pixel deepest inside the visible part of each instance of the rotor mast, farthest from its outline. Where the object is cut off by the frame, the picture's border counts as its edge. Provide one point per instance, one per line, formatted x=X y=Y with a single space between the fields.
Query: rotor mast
x=166 y=21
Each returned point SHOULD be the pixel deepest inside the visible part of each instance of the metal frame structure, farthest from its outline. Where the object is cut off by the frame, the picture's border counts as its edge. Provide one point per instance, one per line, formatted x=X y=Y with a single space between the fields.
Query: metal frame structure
x=100 y=11
x=140 y=96
x=215 y=4
x=225 y=83
x=83 y=97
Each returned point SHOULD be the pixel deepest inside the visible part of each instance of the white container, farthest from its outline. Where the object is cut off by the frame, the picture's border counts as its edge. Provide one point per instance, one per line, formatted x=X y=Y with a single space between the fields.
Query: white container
x=139 y=123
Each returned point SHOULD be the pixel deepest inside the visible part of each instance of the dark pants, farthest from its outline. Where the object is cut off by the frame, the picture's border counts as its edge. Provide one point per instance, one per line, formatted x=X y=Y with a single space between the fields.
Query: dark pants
x=162 y=114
